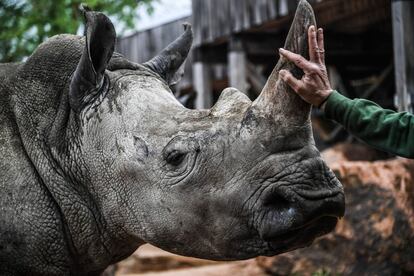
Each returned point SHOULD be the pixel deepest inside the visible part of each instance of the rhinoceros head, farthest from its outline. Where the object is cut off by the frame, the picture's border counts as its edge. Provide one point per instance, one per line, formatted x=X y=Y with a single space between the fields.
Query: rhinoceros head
x=238 y=180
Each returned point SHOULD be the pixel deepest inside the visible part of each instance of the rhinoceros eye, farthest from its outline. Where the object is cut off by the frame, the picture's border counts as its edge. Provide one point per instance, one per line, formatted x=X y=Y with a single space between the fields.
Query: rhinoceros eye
x=175 y=157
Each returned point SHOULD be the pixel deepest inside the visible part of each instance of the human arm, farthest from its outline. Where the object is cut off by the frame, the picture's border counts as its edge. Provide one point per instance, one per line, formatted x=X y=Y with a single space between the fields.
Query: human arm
x=384 y=129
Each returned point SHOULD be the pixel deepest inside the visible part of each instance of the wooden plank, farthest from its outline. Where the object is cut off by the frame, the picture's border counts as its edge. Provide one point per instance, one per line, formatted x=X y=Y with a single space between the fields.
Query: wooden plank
x=283 y=7
x=246 y=14
x=209 y=21
x=225 y=22
x=272 y=9
x=200 y=19
x=257 y=12
x=237 y=70
x=236 y=14
x=403 y=36
x=134 y=46
x=202 y=85
x=196 y=22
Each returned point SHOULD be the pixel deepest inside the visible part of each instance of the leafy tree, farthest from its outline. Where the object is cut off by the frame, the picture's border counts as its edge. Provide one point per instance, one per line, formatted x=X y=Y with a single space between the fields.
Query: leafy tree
x=24 y=24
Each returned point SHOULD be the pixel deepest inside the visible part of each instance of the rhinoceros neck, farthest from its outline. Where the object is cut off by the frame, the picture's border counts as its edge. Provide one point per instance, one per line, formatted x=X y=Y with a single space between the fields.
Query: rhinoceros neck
x=47 y=130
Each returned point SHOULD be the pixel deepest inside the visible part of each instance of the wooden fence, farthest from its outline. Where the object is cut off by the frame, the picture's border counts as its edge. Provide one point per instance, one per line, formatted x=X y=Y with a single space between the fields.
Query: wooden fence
x=215 y=19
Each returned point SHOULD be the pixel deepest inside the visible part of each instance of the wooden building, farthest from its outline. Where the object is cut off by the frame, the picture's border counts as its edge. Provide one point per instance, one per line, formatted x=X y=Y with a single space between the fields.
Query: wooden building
x=236 y=42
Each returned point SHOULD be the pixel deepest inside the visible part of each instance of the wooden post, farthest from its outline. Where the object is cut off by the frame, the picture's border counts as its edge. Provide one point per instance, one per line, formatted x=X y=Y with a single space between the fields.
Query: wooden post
x=403 y=33
x=237 y=66
x=202 y=85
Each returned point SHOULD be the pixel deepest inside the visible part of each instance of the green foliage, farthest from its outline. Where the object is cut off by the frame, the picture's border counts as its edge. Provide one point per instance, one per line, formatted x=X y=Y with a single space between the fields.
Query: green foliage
x=26 y=24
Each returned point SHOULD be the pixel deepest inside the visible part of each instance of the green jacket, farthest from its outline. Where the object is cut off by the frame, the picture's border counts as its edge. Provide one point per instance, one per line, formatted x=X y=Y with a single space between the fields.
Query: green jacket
x=381 y=128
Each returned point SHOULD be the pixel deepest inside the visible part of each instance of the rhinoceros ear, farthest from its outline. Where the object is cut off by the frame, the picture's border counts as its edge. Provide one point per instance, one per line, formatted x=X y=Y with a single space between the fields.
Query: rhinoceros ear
x=169 y=64
x=89 y=78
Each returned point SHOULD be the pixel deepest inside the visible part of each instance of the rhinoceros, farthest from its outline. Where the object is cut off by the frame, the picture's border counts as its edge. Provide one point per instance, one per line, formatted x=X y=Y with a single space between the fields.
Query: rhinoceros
x=98 y=157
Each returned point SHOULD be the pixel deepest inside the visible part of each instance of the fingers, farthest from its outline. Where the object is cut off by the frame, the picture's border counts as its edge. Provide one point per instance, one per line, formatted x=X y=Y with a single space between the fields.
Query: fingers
x=298 y=60
x=321 y=45
x=313 y=45
x=293 y=82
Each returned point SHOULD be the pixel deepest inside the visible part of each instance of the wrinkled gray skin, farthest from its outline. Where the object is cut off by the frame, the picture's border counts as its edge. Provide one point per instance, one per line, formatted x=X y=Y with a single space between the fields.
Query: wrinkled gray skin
x=98 y=158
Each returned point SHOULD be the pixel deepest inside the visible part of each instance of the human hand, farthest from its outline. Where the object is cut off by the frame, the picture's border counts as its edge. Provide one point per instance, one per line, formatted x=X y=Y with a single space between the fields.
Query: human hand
x=314 y=87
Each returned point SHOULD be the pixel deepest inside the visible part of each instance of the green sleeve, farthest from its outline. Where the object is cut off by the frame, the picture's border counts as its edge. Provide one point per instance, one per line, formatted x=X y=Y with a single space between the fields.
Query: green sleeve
x=381 y=128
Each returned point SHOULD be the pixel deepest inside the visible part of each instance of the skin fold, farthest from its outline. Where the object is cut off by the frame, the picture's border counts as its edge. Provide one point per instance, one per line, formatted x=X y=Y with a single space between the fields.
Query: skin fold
x=98 y=158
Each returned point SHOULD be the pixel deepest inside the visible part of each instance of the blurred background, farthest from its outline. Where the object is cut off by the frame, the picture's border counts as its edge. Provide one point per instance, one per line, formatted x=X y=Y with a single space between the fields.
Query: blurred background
x=370 y=54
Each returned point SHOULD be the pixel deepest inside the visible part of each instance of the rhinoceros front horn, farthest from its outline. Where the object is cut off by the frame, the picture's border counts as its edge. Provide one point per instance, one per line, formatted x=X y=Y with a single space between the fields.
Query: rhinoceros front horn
x=277 y=100
x=88 y=79
x=168 y=64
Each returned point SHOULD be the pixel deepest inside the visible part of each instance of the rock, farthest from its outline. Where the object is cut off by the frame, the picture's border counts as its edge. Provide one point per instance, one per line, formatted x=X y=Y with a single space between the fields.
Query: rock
x=376 y=236
x=352 y=152
x=395 y=176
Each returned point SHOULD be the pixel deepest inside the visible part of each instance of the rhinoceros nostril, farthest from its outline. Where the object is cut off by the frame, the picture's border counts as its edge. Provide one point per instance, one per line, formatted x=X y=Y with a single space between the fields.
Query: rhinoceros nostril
x=276 y=201
x=280 y=215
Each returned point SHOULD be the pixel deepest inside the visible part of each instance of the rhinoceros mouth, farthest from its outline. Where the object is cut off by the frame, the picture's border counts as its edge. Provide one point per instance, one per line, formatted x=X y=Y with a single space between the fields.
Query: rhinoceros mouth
x=293 y=221
x=302 y=236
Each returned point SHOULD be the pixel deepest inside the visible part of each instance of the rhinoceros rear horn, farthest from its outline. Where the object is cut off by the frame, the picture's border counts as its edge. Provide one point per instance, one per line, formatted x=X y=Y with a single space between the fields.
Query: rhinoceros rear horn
x=169 y=63
x=88 y=79
x=277 y=99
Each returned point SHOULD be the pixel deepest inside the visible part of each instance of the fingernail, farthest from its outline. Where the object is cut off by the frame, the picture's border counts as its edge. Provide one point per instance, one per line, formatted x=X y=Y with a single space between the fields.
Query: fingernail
x=282 y=73
x=320 y=30
x=281 y=50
